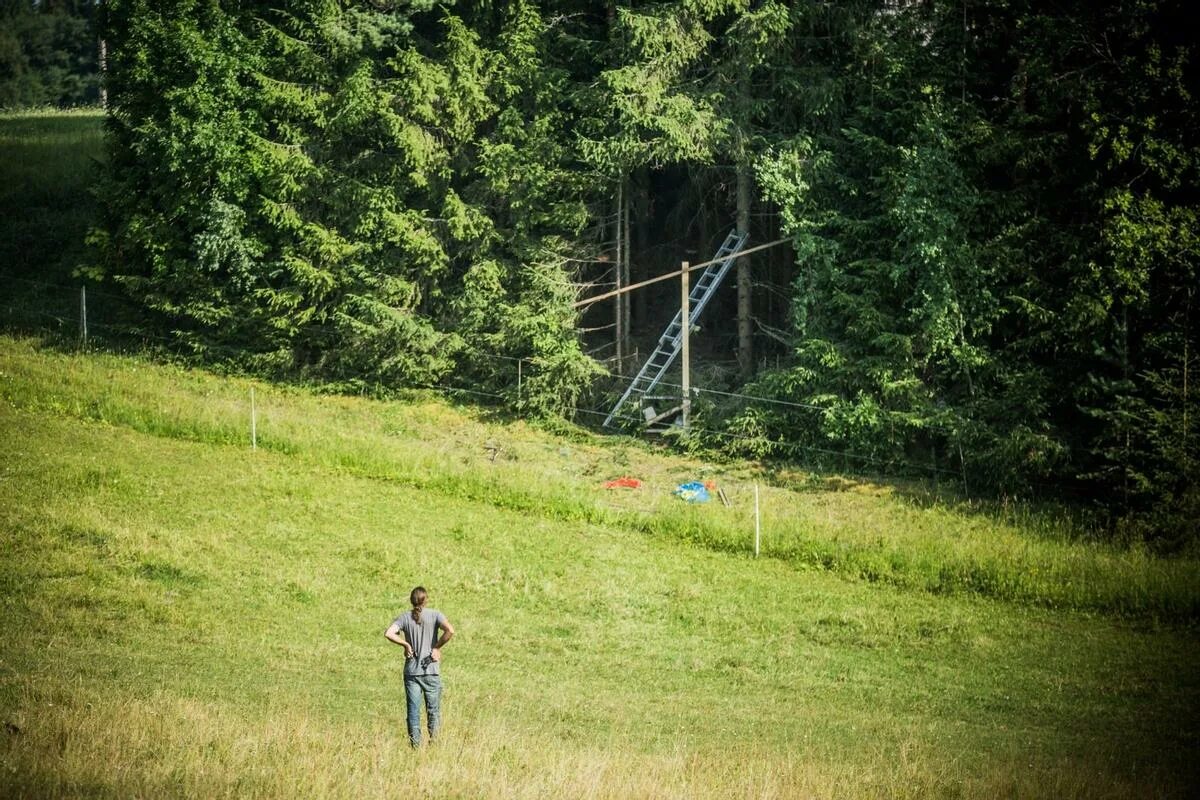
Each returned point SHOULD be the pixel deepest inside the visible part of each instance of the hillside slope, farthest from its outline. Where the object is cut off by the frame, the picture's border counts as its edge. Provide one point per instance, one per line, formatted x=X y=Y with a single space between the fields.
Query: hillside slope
x=183 y=615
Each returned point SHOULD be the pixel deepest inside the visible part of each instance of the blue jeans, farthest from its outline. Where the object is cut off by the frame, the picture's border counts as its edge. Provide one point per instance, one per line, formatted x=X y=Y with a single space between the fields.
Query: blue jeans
x=428 y=687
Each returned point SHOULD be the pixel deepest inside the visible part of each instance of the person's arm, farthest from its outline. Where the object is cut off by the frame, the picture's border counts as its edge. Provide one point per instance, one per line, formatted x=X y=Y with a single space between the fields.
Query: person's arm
x=393 y=635
x=447 y=635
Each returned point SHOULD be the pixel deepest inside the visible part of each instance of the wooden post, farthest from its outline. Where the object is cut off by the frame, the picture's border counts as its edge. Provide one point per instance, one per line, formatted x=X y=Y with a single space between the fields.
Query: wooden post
x=253 y=422
x=685 y=318
x=757 y=521
x=518 y=381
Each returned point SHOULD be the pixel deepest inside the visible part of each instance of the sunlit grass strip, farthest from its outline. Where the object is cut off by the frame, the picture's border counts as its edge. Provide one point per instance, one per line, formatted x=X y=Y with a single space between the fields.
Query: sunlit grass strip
x=164 y=746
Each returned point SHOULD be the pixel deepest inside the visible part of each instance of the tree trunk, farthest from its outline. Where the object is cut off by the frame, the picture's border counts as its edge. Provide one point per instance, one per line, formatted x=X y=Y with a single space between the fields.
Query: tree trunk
x=1187 y=341
x=619 y=273
x=637 y=269
x=101 y=53
x=745 y=311
x=103 y=69
x=626 y=300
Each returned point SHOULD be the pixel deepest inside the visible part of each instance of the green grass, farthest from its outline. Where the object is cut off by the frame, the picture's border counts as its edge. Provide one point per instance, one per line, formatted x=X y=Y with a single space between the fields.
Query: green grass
x=185 y=616
x=865 y=531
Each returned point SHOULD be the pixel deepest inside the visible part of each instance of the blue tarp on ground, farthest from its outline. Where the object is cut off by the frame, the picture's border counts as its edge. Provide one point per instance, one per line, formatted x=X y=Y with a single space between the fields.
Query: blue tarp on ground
x=693 y=492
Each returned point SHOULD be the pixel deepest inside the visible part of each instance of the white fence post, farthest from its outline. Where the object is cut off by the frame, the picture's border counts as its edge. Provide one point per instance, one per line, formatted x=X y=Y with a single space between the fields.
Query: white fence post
x=757 y=521
x=83 y=332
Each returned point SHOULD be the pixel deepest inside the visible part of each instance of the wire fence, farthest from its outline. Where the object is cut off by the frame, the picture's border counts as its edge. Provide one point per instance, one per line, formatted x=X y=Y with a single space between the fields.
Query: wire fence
x=93 y=317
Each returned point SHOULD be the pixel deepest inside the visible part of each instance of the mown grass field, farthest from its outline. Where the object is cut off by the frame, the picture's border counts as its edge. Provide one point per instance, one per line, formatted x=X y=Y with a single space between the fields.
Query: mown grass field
x=185 y=616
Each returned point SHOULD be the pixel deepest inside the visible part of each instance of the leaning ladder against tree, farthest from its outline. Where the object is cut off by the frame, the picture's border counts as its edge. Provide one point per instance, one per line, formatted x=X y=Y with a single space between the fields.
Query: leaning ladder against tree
x=669 y=343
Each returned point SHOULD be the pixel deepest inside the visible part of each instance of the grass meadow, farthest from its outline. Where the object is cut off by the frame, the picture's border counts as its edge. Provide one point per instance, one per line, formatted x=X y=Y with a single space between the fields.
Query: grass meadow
x=183 y=615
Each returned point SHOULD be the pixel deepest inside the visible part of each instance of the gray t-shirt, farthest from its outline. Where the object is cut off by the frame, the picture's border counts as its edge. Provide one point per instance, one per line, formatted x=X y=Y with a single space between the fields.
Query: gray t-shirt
x=422 y=636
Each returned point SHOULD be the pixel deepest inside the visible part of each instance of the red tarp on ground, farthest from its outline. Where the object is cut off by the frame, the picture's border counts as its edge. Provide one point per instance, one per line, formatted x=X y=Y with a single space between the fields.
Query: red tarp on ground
x=623 y=483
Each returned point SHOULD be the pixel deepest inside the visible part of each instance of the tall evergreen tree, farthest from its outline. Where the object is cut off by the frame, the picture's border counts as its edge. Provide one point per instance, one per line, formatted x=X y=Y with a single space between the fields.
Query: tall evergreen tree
x=346 y=192
x=980 y=239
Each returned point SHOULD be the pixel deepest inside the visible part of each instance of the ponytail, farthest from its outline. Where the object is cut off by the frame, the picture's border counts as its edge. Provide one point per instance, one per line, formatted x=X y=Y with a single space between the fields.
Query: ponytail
x=417 y=598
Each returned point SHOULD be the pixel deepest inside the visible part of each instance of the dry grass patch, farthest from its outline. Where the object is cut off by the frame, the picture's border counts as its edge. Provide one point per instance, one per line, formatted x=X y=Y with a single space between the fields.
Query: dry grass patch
x=167 y=746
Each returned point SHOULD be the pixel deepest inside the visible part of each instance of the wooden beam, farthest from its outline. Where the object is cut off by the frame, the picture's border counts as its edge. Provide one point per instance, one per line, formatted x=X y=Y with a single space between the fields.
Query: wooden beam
x=667 y=276
x=664 y=415
x=685 y=318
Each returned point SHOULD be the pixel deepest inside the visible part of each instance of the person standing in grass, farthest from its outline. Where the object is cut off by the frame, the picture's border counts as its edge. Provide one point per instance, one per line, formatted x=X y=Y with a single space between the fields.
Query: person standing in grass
x=417 y=632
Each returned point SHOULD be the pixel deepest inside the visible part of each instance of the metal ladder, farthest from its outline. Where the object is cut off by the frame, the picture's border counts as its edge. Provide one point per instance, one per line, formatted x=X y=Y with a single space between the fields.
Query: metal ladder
x=670 y=342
